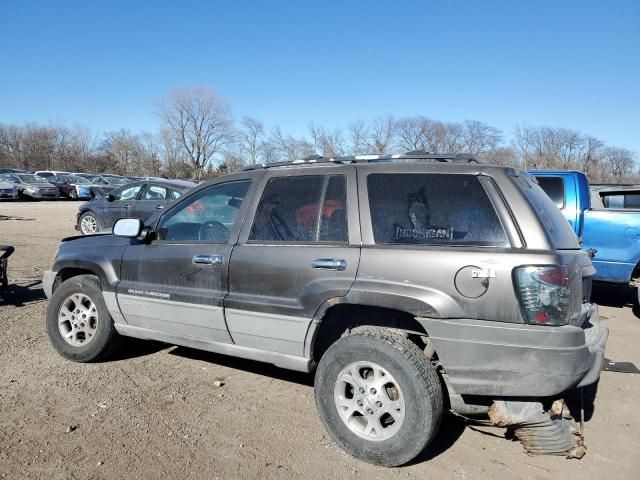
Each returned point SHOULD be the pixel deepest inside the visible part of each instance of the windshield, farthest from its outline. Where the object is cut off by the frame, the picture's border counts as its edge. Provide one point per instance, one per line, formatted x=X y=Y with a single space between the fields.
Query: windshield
x=78 y=180
x=32 y=179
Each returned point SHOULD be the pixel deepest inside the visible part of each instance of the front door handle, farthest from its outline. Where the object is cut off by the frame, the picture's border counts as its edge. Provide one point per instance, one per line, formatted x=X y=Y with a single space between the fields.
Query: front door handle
x=127 y=206
x=339 y=264
x=159 y=207
x=214 y=260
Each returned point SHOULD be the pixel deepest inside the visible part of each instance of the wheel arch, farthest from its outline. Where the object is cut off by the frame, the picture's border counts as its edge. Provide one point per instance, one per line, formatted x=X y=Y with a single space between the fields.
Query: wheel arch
x=337 y=318
x=69 y=270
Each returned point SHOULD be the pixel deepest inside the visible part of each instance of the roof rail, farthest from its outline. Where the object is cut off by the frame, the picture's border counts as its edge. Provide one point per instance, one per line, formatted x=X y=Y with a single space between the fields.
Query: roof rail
x=415 y=155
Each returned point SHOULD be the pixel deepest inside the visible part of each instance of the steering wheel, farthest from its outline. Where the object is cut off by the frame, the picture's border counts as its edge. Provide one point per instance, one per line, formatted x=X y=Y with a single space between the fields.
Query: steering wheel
x=214 y=231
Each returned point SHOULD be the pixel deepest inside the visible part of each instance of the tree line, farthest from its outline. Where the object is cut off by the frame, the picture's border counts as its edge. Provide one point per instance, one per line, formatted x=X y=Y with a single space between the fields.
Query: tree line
x=199 y=138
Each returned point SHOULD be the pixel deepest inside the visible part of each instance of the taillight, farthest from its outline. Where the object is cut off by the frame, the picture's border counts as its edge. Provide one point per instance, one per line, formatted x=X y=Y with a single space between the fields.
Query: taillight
x=544 y=295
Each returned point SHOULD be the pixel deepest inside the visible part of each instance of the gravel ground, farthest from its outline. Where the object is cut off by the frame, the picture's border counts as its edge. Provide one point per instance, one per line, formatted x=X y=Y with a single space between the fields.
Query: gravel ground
x=156 y=410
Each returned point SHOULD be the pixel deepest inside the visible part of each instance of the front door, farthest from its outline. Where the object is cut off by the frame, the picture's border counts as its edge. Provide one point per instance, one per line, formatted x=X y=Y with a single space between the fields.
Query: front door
x=122 y=205
x=300 y=249
x=176 y=284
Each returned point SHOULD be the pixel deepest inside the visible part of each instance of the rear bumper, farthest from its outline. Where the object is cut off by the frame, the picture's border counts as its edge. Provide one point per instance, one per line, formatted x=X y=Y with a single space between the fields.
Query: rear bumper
x=596 y=337
x=515 y=360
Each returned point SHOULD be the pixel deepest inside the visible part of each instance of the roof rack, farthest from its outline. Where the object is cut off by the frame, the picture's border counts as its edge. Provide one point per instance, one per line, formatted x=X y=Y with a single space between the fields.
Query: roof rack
x=415 y=155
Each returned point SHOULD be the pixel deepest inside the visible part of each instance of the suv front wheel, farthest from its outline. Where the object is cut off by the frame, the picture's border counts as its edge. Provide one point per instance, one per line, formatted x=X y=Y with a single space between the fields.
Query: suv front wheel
x=78 y=323
x=378 y=396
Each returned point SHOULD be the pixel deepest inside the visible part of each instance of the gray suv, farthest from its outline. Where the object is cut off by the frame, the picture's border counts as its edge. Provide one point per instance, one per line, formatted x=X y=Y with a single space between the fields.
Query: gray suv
x=410 y=284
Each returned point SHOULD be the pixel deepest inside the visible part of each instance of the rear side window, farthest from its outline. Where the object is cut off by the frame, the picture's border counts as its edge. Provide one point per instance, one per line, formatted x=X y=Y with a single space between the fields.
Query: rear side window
x=310 y=208
x=619 y=200
x=432 y=209
x=554 y=187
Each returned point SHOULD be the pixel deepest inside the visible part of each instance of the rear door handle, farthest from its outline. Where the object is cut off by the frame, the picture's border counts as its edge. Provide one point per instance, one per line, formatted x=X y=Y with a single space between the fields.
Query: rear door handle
x=127 y=206
x=159 y=207
x=339 y=264
x=214 y=260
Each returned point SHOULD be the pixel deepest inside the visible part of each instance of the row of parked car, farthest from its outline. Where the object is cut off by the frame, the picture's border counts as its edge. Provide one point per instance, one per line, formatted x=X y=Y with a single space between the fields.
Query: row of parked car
x=50 y=184
x=110 y=196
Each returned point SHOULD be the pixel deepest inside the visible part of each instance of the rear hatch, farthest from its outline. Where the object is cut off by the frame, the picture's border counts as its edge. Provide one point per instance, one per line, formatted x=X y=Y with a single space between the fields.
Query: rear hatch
x=564 y=240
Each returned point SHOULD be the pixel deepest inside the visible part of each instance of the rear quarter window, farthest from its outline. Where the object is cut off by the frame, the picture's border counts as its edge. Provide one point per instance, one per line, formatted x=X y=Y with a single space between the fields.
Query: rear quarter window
x=554 y=223
x=432 y=209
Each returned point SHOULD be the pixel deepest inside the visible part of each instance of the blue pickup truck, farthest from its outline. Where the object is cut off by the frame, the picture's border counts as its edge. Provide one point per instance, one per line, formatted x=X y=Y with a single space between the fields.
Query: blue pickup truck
x=612 y=233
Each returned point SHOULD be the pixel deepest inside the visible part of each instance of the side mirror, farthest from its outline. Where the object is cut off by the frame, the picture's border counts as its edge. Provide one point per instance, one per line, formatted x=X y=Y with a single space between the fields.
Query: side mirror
x=110 y=197
x=128 y=227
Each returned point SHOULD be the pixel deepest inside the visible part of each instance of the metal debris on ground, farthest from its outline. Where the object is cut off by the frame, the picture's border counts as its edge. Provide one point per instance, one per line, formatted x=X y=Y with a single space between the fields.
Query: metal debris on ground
x=552 y=432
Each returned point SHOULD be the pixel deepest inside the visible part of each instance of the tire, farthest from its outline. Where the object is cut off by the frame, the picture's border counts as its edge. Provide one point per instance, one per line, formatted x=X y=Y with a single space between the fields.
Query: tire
x=85 y=221
x=418 y=388
x=73 y=195
x=100 y=337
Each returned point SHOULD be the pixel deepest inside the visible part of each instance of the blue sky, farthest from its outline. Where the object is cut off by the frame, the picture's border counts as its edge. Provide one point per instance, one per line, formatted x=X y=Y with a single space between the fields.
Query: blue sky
x=573 y=64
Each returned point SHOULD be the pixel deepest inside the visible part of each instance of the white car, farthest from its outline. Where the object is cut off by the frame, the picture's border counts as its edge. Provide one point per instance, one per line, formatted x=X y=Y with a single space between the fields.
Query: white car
x=49 y=173
x=8 y=190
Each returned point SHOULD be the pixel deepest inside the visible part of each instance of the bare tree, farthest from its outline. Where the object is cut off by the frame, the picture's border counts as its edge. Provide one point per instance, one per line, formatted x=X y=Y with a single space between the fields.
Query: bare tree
x=358 y=133
x=122 y=151
x=233 y=159
x=381 y=134
x=328 y=143
x=285 y=148
x=250 y=135
x=200 y=121
x=619 y=164
x=504 y=156
x=151 y=151
x=410 y=133
x=479 y=138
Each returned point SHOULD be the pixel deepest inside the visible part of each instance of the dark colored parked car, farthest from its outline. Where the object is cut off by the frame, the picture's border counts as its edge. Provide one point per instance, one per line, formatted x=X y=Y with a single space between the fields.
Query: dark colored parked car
x=11 y=170
x=406 y=283
x=31 y=186
x=103 y=184
x=72 y=186
x=137 y=199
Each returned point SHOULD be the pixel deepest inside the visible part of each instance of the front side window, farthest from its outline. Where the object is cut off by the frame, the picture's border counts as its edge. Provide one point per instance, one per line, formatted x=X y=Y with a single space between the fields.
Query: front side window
x=129 y=192
x=310 y=208
x=31 y=178
x=432 y=209
x=208 y=215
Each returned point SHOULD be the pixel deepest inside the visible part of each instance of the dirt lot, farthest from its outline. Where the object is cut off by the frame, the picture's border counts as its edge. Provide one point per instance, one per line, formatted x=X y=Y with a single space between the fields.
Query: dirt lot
x=155 y=412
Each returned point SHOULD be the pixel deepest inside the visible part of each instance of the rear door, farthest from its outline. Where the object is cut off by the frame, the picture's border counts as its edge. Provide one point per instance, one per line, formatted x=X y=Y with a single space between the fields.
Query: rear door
x=299 y=247
x=176 y=284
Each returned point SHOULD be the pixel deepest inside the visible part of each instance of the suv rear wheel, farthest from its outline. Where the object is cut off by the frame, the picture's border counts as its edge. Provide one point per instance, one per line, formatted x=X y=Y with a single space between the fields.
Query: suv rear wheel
x=78 y=322
x=378 y=396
